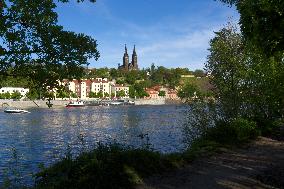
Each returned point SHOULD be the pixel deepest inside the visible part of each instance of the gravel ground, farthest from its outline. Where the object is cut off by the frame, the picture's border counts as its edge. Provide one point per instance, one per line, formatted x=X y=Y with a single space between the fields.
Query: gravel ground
x=257 y=165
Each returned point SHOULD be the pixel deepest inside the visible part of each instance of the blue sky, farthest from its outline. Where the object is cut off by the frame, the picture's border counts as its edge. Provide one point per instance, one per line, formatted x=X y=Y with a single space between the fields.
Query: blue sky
x=170 y=33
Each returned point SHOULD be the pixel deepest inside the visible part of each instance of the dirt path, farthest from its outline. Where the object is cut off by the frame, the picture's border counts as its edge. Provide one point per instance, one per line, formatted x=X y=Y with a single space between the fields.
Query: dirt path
x=255 y=166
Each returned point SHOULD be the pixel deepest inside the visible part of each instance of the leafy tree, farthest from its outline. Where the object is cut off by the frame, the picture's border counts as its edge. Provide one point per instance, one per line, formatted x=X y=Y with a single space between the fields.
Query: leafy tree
x=140 y=90
x=131 y=77
x=92 y=94
x=100 y=94
x=262 y=23
x=73 y=95
x=226 y=64
x=188 y=91
x=32 y=94
x=162 y=93
x=132 y=92
x=62 y=92
x=34 y=46
x=106 y=94
x=16 y=95
x=120 y=93
x=198 y=73
x=7 y=95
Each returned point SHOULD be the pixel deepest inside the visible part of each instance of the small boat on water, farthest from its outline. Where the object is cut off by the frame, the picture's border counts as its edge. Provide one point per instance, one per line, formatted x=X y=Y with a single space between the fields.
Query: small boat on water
x=15 y=110
x=75 y=104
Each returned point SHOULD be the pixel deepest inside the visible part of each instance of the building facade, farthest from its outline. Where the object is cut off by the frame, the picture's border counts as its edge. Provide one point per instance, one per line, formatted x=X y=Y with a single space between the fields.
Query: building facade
x=83 y=87
x=133 y=65
x=153 y=93
x=116 y=88
x=11 y=90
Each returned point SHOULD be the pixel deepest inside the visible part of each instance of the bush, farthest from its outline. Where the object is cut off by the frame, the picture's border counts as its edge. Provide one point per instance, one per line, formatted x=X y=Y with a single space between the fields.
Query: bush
x=234 y=132
x=106 y=167
x=272 y=128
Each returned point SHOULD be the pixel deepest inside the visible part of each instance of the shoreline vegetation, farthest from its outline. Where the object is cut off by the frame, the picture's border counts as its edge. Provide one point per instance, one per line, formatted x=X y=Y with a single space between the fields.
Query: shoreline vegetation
x=116 y=166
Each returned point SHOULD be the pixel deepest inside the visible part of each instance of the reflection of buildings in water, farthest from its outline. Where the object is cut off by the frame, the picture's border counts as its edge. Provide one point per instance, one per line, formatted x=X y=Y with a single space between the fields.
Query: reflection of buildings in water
x=131 y=127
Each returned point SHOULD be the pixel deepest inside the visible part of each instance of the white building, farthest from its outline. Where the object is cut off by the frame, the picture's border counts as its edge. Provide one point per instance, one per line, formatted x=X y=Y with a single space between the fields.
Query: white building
x=11 y=90
x=116 y=88
x=82 y=88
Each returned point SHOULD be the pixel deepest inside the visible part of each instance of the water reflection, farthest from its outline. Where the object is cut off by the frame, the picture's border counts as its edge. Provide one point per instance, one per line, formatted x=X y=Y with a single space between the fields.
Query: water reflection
x=44 y=135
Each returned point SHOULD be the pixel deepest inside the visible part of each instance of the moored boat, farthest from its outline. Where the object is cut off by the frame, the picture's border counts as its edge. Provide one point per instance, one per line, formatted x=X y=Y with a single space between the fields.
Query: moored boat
x=75 y=104
x=15 y=110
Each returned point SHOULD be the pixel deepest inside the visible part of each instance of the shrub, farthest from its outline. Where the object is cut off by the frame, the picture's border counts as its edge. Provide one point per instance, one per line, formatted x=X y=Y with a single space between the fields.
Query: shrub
x=272 y=128
x=105 y=167
x=234 y=132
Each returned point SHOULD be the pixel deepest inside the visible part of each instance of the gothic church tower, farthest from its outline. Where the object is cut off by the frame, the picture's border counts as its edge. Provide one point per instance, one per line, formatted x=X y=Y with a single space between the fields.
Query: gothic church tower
x=125 y=60
x=134 y=60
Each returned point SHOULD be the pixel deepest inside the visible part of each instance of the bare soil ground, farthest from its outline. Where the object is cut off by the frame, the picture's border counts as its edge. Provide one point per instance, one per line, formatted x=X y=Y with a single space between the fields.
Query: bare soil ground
x=258 y=165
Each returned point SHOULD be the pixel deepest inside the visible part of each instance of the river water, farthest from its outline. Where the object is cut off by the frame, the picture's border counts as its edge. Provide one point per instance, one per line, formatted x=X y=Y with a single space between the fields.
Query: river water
x=46 y=135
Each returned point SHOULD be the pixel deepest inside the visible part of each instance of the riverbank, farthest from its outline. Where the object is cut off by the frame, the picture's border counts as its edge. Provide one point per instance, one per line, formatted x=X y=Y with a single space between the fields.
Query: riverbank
x=259 y=164
x=62 y=103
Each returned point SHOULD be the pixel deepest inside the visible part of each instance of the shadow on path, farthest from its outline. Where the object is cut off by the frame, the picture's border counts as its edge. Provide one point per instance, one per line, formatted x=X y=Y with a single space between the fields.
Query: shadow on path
x=258 y=165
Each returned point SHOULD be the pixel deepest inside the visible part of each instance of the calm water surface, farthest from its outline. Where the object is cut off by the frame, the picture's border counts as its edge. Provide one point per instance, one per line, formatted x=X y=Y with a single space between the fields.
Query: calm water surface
x=45 y=135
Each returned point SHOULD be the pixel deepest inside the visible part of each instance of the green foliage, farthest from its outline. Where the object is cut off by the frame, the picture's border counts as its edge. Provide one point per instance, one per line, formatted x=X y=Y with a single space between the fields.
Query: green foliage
x=272 y=128
x=188 y=92
x=262 y=24
x=73 y=95
x=162 y=93
x=35 y=47
x=199 y=73
x=106 y=94
x=226 y=63
x=16 y=95
x=62 y=92
x=7 y=95
x=234 y=132
x=139 y=89
x=106 y=167
x=100 y=94
x=98 y=73
x=92 y=94
x=246 y=82
x=120 y=93
x=32 y=94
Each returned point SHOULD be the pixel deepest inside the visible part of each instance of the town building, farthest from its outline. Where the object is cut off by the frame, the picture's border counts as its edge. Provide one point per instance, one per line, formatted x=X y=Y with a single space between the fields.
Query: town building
x=126 y=66
x=11 y=90
x=83 y=87
x=153 y=93
x=116 y=88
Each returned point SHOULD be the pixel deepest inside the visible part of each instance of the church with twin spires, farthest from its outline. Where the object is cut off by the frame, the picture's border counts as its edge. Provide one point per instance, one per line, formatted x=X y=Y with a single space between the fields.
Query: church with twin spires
x=126 y=66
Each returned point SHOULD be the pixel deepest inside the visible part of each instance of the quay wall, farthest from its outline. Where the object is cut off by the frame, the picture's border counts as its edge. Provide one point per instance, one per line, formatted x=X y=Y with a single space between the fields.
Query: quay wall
x=150 y=102
x=34 y=104
x=62 y=103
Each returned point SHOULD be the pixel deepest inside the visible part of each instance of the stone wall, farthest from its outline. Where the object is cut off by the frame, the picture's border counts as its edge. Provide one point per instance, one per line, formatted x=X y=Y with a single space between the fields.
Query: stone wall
x=34 y=104
x=150 y=101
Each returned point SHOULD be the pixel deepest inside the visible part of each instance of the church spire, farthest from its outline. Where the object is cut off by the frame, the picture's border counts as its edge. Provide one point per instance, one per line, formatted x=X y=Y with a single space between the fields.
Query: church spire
x=134 y=51
x=125 y=49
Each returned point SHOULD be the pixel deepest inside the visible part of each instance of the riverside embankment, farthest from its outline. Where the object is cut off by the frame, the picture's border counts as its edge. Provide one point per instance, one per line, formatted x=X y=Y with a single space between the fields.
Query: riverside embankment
x=62 y=103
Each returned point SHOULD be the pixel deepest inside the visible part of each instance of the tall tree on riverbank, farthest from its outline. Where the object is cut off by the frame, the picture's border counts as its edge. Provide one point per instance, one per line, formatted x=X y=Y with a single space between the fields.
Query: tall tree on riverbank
x=261 y=23
x=226 y=65
x=246 y=82
x=263 y=30
x=33 y=45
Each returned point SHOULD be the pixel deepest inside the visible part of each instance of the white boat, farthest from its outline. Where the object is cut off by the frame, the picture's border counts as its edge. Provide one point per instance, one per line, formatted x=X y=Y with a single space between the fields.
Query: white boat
x=15 y=110
x=75 y=104
x=116 y=103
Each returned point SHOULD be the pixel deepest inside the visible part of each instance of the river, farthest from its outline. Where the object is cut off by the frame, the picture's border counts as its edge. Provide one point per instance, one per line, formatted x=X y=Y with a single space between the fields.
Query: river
x=46 y=135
